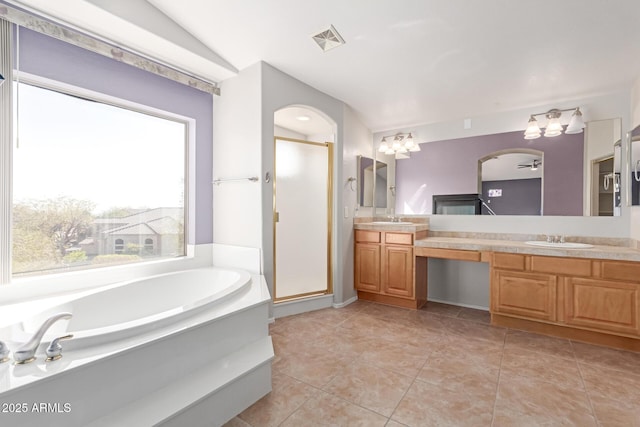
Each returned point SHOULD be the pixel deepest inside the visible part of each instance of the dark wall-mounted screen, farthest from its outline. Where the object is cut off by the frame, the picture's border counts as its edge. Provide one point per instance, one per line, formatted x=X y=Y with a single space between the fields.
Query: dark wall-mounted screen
x=457 y=204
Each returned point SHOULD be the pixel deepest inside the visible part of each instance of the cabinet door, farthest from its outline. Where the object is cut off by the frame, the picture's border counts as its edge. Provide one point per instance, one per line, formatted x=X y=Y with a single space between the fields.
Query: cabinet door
x=603 y=305
x=524 y=294
x=397 y=271
x=367 y=266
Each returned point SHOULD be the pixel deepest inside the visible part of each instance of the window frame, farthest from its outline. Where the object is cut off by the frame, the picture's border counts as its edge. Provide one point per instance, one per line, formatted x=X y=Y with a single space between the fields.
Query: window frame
x=101 y=275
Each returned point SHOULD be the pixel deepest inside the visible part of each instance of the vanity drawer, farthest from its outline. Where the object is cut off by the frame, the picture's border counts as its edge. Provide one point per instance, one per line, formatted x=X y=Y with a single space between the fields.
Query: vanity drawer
x=617 y=270
x=398 y=238
x=367 y=236
x=563 y=266
x=509 y=261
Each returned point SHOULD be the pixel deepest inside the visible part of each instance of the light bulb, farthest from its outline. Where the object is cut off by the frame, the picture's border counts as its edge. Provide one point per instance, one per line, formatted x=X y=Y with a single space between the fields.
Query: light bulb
x=396 y=143
x=533 y=130
x=383 y=145
x=576 y=124
x=408 y=143
x=554 y=128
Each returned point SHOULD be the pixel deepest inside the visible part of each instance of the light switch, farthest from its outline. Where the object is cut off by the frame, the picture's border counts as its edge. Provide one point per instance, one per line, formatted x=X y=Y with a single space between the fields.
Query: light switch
x=346 y=211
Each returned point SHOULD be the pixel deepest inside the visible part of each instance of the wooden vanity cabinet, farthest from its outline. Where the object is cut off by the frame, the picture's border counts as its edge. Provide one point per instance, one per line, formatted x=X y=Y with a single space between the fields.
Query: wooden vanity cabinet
x=602 y=305
x=385 y=269
x=367 y=267
x=524 y=294
x=397 y=270
x=591 y=298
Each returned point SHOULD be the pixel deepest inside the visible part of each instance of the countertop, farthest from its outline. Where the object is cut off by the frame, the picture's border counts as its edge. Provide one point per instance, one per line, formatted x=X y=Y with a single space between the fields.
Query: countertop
x=404 y=228
x=391 y=226
x=603 y=248
x=623 y=253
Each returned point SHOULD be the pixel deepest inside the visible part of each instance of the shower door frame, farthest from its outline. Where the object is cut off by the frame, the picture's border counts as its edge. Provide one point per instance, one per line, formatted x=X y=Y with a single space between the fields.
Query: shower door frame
x=329 y=288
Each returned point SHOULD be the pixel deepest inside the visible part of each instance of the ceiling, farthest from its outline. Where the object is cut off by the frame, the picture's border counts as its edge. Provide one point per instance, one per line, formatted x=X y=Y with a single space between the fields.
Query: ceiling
x=511 y=166
x=404 y=62
x=305 y=121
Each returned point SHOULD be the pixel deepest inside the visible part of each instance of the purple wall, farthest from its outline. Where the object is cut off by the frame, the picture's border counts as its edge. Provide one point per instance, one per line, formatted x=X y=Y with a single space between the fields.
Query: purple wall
x=451 y=167
x=51 y=58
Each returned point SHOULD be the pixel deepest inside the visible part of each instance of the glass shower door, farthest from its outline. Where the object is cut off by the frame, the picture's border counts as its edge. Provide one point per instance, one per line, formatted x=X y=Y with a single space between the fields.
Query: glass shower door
x=302 y=197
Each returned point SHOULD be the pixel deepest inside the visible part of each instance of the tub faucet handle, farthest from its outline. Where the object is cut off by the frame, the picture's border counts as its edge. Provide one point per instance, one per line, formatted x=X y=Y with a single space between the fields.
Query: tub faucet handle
x=27 y=353
x=4 y=352
x=54 y=351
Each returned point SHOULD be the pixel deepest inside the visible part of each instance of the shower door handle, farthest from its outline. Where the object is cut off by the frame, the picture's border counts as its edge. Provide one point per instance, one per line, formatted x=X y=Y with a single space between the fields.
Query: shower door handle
x=276 y=217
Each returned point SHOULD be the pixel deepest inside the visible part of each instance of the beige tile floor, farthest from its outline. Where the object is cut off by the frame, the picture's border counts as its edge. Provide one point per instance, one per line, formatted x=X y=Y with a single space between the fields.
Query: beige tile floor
x=372 y=365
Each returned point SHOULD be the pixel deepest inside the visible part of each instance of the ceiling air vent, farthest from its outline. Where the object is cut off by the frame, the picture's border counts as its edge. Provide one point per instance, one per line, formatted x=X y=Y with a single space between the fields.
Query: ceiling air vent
x=328 y=39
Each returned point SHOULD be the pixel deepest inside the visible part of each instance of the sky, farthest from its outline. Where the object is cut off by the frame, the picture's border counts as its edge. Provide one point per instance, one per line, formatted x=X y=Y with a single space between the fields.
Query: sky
x=115 y=157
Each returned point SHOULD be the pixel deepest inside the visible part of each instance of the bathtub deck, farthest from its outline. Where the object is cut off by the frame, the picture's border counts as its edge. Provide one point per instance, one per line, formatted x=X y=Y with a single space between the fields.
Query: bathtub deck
x=203 y=370
x=163 y=405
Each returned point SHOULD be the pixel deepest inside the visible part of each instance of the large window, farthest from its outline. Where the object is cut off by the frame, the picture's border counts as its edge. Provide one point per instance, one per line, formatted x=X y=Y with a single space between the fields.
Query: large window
x=93 y=183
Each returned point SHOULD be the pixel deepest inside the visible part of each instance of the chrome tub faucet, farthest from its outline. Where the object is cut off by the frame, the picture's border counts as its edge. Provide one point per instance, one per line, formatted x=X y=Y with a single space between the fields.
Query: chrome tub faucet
x=26 y=353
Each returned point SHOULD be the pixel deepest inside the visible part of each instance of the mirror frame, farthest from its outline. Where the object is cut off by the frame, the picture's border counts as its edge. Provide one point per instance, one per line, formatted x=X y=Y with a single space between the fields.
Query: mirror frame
x=360 y=181
x=633 y=170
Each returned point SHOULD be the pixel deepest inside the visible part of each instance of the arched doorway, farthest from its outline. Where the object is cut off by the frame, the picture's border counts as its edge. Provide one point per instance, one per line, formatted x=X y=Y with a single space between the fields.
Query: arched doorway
x=510 y=182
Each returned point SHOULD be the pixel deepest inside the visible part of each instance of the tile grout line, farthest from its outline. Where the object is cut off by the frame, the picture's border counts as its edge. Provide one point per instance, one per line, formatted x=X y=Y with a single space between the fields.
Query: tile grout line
x=321 y=389
x=303 y=403
x=338 y=322
x=495 y=401
x=415 y=378
x=584 y=386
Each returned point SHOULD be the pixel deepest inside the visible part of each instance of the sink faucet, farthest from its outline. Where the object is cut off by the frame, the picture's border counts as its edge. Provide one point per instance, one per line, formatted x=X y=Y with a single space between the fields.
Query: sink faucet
x=26 y=353
x=555 y=239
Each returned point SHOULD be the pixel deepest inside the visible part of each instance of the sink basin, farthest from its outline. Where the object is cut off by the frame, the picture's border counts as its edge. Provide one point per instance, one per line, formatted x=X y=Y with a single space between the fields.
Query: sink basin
x=392 y=223
x=565 y=245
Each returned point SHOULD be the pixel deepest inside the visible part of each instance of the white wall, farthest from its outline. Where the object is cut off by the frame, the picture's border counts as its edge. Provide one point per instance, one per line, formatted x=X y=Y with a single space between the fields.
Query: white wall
x=600 y=135
x=617 y=227
x=237 y=146
x=634 y=218
x=357 y=142
x=635 y=104
x=593 y=108
x=286 y=133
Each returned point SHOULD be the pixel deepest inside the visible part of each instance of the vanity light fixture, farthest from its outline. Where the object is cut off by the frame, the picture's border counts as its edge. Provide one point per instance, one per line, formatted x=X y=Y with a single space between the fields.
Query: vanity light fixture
x=400 y=143
x=554 y=127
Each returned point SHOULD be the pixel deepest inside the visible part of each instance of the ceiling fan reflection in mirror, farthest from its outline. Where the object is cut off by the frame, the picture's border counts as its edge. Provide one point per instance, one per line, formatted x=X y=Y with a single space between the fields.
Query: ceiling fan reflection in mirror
x=533 y=165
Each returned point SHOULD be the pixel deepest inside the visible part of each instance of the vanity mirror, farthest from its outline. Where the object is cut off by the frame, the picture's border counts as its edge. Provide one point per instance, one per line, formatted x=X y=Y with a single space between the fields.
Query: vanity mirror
x=567 y=170
x=634 y=157
x=368 y=186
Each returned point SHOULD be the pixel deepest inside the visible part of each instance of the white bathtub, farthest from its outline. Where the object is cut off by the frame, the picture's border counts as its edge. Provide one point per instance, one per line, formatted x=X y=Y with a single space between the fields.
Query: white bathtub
x=131 y=308
x=184 y=348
